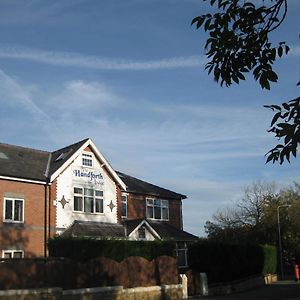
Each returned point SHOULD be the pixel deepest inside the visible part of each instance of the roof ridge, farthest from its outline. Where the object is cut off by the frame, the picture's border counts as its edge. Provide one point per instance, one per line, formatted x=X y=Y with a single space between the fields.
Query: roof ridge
x=84 y=140
x=27 y=148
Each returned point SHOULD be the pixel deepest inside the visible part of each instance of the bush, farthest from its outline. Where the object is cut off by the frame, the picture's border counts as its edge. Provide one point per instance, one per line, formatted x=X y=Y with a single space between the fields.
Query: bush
x=270 y=262
x=85 y=249
x=226 y=262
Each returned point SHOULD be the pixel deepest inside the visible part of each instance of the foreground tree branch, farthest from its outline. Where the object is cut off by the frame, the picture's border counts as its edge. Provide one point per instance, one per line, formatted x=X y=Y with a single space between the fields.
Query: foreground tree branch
x=238 y=43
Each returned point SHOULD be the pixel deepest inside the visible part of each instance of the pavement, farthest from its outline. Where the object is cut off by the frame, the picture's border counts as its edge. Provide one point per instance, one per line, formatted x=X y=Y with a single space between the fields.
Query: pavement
x=280 y=290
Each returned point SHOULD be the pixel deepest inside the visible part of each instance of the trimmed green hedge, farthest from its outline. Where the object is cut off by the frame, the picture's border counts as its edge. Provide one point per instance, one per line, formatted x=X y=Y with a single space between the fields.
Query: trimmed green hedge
x=270 y=263
x=224 y=262
x=85 y=249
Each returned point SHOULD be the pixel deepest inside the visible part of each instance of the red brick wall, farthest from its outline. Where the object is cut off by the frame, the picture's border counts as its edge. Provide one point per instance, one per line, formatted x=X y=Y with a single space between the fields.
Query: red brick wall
x=27 y=236
x=136 y=209
x=52 y=207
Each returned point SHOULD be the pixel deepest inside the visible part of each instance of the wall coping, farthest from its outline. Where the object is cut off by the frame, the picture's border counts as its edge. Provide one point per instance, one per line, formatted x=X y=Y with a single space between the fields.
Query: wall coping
x=92 y=290
x=31 y=291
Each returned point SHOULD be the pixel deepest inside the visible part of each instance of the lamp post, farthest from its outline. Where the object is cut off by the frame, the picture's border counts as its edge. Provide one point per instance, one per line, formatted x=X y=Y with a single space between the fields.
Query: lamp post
x=279 y=238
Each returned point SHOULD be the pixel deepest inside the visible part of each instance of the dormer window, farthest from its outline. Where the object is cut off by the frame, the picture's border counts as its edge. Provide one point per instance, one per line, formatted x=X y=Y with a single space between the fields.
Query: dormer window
x=87 y=160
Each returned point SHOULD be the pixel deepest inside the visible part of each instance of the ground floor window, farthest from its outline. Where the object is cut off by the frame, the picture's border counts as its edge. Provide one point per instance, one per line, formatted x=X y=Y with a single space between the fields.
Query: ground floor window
x=88 y=200
x=12 y=254
x=13 y=210
x=142 y=233
x=181 y=254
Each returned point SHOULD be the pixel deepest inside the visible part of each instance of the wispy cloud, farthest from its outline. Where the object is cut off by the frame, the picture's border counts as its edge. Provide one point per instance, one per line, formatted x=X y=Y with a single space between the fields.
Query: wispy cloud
x=15 y=94
x=94 y=62
x=295 y=50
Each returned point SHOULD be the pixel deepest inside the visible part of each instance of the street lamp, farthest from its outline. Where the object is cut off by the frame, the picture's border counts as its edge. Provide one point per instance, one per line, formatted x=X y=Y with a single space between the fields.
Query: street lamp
x=279 y=238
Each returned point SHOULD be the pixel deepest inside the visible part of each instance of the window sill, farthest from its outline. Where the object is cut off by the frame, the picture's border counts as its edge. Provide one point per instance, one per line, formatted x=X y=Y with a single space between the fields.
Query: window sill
x=88 y=213
x=160 y=220
x=13 y=222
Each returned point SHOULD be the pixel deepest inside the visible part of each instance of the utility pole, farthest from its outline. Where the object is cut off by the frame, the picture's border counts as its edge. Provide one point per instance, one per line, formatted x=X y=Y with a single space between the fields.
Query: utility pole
x=279 y=238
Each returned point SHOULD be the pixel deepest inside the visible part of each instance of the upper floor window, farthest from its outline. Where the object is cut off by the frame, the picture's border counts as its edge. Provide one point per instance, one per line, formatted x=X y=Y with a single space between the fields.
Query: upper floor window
x=157 y=209
x=87 y=159
x=13 y=210
x=12 y=254
x=124 y=205
x=88 y=200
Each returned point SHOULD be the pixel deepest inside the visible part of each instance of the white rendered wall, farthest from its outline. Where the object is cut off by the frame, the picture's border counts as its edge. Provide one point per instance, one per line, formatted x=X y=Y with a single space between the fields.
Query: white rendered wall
x=134 y=236
x=65 y=188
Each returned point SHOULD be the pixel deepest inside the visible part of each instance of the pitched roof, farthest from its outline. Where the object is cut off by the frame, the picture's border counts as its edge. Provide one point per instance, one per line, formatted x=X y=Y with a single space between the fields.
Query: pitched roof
x=135 y=185
x=60 y=156
x=94 y=230
x=167 y=231
x=111 y=230
x=25 y=163
x=31 y=164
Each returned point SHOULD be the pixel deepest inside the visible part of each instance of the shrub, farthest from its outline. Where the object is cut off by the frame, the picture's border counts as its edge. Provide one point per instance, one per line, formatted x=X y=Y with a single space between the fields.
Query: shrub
x=224 y=261
x=84 y=249
x=270 y=262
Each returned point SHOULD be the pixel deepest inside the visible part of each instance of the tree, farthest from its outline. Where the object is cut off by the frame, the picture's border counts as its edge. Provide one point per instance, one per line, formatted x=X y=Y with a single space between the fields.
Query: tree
x=254 y=218
x=238 y=43
x=250 y=218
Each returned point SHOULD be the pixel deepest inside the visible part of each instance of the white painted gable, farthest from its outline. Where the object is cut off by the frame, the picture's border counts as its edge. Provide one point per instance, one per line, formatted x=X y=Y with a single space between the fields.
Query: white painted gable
x=75 y=175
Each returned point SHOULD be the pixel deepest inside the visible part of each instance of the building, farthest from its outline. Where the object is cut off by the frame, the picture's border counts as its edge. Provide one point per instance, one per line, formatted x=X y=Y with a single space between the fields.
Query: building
x=75 y=192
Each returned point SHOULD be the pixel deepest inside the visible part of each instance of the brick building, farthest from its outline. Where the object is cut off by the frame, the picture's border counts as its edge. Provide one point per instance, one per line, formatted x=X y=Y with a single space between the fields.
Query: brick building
x=74 y=191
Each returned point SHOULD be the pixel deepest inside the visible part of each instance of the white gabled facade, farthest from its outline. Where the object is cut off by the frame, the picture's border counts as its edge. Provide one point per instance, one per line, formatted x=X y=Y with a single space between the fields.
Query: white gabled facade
x=97 y=178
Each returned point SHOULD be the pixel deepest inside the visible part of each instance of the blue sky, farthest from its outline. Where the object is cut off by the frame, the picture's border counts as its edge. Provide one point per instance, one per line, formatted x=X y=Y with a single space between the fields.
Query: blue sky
x=129 y=75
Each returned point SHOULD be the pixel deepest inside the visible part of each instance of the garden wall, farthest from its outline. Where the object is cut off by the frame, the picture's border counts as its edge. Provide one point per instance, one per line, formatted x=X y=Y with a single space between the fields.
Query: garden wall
x=101 y=272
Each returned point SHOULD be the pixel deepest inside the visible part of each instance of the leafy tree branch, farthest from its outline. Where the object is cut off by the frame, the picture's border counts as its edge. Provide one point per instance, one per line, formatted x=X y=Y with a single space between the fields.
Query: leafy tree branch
x=238 y=43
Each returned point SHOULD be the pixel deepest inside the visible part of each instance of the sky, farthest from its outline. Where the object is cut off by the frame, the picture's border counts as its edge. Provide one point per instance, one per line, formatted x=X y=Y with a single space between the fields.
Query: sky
x=130 y=76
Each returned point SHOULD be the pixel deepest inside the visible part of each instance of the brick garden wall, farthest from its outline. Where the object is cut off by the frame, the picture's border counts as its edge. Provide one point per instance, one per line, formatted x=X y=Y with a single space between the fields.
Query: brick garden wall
x=67 y=274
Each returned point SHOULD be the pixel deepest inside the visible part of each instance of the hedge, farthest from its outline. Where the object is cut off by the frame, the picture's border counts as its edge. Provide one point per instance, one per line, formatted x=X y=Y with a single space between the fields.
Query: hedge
x=270 y=262
x=85 y=249
x=223 y=262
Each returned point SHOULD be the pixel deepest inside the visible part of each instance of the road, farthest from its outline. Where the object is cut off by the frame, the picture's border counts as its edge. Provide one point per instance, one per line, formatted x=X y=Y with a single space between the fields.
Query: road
x=281 y=290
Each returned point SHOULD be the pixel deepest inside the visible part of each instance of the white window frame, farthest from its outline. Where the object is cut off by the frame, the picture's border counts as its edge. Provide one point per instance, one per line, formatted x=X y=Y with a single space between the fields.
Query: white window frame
x=12 y=220
x=126 y=205
x=181 y=249
x=12 y=252
x=164 y=204
x=87 y=157
x=82 y=196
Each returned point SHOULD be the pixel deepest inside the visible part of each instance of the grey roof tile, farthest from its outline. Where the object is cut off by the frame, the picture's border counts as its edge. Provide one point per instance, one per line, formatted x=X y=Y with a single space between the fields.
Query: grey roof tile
x=135 y=185
x=25 y=163
x=167 y=231
x=65 y=153
x=94 y=230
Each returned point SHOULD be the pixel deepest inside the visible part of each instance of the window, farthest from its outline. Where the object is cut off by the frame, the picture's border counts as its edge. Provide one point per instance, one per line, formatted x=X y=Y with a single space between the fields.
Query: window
x=88 y=200
x=157 y=209
x=142 y=233
x=181 y=254
x=13 y=210
x=12 y=254
x=124 y=206
x=87 y=159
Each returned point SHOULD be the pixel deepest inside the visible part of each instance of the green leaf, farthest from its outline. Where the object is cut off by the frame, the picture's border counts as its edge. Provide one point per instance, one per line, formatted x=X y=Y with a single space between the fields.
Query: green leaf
x=286 y=106
x=275 y=118
x=287 y=49
x=206 y=25
x=272 y=76
x=280 y=51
